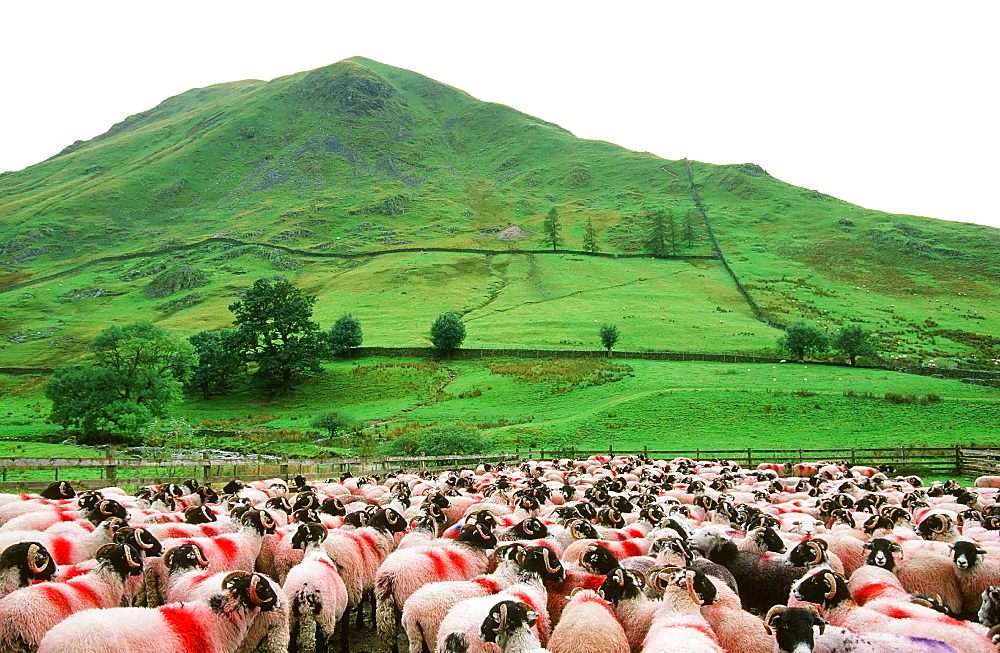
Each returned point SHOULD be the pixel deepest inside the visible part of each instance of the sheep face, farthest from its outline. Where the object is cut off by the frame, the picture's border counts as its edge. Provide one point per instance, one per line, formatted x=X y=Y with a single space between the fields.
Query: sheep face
x=543 y=562
x=824 y=588
x=58 y=490
x=104 y=510
x=935 y=526
x=989 y=612
x=793 y=627
x=882 y=553
x=199 y=515
x=308 y=533
x=260 y=521
x=305 y=500
x=529 y=529
x=125 y=559
x=252 y=590
x=32 y=561
x=505 y=618
x=185 y=556
x=597 y=559
x=141 y=539
x=475 y=536
x=966 y=554
x=808 y=553
x=333 y=506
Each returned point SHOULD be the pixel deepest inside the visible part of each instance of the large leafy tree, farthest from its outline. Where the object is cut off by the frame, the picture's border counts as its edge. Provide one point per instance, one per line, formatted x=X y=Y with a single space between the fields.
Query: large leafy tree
x=855 y=341
x=137 y=373
x=609 y=336
x=801 y=339
x=218 y=363
x=274 y=330
x=447 y=332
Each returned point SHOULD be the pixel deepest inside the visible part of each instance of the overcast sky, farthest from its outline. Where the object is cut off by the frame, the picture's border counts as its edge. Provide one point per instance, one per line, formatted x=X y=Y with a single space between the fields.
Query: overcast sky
x=890 y=105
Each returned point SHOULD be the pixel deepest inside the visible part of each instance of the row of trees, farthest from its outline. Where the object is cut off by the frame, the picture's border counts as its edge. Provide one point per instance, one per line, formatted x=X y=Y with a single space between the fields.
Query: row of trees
x=802 y=339
x=663 y=237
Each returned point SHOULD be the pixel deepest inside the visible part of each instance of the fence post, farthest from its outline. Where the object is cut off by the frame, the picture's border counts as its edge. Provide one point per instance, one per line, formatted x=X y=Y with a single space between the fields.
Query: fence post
x=282 y=469
x=749 y=458
x=958 y=461
x=111 y=468
x=206 y=467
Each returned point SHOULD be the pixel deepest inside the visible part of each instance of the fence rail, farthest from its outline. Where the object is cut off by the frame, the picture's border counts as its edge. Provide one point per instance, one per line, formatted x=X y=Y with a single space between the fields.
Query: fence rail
x=136 y=472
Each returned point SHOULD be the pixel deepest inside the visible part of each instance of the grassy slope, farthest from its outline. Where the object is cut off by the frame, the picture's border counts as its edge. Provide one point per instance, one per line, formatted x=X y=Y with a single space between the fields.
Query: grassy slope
x=359 y=156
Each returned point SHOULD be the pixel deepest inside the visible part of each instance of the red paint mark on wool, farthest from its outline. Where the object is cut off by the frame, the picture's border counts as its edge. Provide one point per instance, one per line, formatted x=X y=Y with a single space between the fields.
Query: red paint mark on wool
x=61 y=549
x=65 y=515
x=72 y=572
x=367 y=547
x=190 y=633
x=438 y=562
x=53 y=593
x=524 y=598
x=176 y=531
x=458 y=561
x=631 y=549
x=897 y=612
x=599 y=601
x=86 y=593
x=871 y=591
x=487 y=584
x=200 y=578
x=227 y=548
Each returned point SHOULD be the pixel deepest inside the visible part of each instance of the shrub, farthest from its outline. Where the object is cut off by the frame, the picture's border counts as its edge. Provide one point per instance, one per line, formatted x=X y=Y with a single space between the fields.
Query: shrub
x=333 y=421
x=900 y=398
x=930 y=398
x=442 y=440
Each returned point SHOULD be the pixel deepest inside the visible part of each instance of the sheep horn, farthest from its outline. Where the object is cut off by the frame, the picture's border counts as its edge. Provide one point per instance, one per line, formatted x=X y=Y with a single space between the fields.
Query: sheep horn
x=637 y=575
x=819 y=617
x=833 y=585
x=101 y=550
x=128 y=558
x=139 y=533
x=940 y=519
x=503 y=619
x=33 y=551
x=101 y=507
x=689 y=576
x=771 y=614
x=528 y=528
x=546 y=552
x=818 y=558
x=519 y=556
x=576 y=590
x=254 y=580
x=231 y=576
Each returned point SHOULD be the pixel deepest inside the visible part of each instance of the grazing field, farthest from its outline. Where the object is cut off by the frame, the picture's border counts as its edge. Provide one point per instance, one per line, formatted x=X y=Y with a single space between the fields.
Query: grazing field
x=556 y=404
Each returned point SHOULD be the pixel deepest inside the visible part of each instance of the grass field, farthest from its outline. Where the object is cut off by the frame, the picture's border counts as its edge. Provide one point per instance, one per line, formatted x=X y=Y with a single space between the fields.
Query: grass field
x=626 y=404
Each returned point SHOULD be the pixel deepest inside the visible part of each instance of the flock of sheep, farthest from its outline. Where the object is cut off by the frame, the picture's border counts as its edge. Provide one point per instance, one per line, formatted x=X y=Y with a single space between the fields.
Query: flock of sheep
x=603 y=555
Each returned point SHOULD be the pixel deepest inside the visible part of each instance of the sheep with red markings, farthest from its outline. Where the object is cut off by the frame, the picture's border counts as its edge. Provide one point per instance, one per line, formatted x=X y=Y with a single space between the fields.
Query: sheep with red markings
x=28 y=613
x=315 y=590
x=22 y=564
x=588 y=625
x=217 y=625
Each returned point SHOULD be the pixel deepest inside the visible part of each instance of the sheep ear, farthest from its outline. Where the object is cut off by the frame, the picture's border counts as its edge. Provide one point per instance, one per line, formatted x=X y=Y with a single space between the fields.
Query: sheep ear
x=101 y=551
x=532 y=618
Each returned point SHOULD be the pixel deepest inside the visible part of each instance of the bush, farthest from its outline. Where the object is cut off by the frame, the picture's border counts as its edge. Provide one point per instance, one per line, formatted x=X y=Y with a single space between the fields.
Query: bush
x=333 y=421
x=900 y=398
x=442 y=440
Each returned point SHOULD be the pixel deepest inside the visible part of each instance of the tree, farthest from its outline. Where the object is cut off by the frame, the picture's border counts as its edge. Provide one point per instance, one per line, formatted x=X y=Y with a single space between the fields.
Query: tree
x=447 y=332
x=334 y=421
x=344 y=334
x=138 y=372
x=855 y=341
x=440 y=440
x=689 y=221
x=609 y=336
x=218 y=363
x=662 y=236
x=590 y=237
x=551 y=229
x=275 y=331
x=801 y=339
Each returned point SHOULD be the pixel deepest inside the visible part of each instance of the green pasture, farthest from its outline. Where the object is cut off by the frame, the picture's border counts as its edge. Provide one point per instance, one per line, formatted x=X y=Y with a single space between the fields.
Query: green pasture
x=587 y=404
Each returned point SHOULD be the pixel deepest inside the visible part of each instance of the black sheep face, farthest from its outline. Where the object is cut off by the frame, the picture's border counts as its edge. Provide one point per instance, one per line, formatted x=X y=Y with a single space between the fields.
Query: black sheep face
x=260 y=521
x=582 y=530
x=305 y=516
x=208 y=495
x=199 y=515
x=58 y=490
x=793 y=628
x=232 y=487
x=568 y=492
x=882 y=551
x=597 y=559
x=439 y=500
x=305 y=500
x=141 y=539
x=279 y=503
x=299 y=481
x=934 y=526
x=586 y=510
x=252 y=590
x=505 y=618
x=308 y=533
x=653 y=514
x=358 y=519
x=966 y=554
x=486 y=519
x=542 y=561
x=104 y=510
x=476 y=536
x=529 y=529
x=824 y=588
x=389 y=521
x=700 y=588
x=610 y=518
x=185 y=556
x=123 y=558
x=772 y=540
x=333 y=506
x=31 y=560
x=192 y=485
x=807 y=553
x=620 y=585
x=877 y=522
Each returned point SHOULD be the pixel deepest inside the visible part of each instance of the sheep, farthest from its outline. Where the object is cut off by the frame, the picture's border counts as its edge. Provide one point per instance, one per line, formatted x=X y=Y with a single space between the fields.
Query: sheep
x=974 y=573
x=989 y=610
x=588 y=625
x=233 y=551
x=737 y=630
x=424 y=610
x=316 y=591
x=217 y=625
x=793 y=633
x=67 y=549
x=510 y=625
x=889 y=615
x=929 y=575
x=23 y=563
x=406 y=570
x=27 y=613
x=460 y=628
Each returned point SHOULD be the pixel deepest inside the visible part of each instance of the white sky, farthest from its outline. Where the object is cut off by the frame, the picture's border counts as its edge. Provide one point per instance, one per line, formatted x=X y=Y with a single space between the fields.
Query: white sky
x=890 y=105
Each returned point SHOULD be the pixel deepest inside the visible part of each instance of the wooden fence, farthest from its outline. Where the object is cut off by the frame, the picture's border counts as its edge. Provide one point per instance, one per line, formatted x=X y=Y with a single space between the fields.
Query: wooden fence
x=88 y=473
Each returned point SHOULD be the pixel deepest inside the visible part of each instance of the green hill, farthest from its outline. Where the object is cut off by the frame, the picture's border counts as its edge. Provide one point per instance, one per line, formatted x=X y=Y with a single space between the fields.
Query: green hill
x=318 y=174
